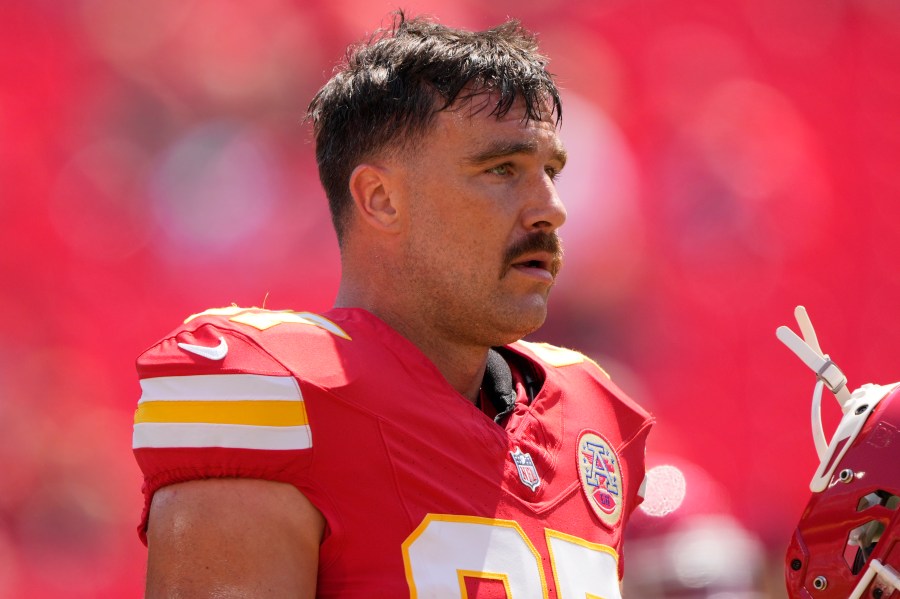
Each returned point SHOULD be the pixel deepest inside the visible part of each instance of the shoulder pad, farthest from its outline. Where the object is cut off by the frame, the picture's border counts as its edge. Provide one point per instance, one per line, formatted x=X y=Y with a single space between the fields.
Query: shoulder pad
x=233 y=339
x=262 y=319
x=210 y=384
x=558 y=357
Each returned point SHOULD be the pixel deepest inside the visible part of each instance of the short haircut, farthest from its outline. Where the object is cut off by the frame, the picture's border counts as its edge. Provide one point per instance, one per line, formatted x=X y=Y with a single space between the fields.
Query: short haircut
x=385 y=94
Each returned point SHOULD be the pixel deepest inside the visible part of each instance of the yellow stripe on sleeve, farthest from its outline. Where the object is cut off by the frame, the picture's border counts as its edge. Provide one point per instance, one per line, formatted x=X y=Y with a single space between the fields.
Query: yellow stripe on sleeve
x=255 y=413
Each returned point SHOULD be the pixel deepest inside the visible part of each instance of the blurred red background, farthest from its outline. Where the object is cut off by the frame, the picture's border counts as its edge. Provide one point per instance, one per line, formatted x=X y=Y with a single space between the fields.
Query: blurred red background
x=729 y=160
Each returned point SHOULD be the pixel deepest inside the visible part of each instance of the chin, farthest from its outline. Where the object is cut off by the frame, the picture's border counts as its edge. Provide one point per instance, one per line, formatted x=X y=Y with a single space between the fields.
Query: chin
x=524 y=322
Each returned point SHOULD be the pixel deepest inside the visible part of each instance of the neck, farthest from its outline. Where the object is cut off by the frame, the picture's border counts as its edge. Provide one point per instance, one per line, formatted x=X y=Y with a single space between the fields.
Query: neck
x=461 y=364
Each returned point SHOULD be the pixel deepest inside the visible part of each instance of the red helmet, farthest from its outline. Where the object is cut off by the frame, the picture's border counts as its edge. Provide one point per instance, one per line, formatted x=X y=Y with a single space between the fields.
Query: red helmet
x=846 y=543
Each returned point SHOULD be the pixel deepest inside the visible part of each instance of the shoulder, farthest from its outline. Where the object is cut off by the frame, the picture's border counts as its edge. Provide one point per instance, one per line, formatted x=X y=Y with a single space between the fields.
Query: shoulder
x=558 y=357
x=229 y=377
x=575 y=372
x=222 y=395
x=220 y=380
x=236 y=340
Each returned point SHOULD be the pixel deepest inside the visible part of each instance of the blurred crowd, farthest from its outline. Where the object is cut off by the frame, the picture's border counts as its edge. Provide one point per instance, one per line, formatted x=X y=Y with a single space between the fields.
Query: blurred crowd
x=728 y=160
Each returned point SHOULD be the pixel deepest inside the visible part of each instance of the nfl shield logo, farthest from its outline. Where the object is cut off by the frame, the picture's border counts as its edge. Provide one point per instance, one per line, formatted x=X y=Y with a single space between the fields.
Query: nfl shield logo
x=528 y=474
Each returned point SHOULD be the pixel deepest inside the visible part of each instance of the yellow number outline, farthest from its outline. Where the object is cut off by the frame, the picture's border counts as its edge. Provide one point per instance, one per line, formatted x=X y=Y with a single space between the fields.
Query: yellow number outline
x=429 y=518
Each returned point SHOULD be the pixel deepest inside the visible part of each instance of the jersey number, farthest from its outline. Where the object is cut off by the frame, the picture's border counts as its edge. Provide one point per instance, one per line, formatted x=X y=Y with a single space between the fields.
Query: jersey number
x=444 y=551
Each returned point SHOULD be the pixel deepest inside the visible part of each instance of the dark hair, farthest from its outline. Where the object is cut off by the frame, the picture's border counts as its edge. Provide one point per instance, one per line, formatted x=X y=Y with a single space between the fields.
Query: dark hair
x=388 y=90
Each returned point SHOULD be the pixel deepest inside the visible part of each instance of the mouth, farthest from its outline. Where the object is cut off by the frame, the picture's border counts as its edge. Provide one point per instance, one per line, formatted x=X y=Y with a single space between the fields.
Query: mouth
x=534 y=263
x=541 y=266
x=537 y=256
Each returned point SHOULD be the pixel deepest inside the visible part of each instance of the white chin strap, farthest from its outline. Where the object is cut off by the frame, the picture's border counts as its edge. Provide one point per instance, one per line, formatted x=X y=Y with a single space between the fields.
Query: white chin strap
x=886 y=574
x=856 y=406
x=808 y=350
x=827 y=373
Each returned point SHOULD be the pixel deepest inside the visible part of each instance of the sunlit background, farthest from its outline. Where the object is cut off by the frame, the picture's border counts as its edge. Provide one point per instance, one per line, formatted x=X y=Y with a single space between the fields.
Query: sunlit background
x=729 y=160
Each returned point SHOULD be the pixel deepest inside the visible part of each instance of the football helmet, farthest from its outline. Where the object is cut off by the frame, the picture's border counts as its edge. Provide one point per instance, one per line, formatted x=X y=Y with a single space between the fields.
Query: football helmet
x=846 y=543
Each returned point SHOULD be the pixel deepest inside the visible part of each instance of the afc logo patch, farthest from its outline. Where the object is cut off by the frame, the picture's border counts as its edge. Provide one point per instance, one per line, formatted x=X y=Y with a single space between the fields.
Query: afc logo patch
x=601 y=479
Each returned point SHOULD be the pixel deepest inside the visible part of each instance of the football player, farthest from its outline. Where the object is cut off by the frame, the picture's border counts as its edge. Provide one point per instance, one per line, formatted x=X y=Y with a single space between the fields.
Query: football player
x=403 y=443
x=845 y=545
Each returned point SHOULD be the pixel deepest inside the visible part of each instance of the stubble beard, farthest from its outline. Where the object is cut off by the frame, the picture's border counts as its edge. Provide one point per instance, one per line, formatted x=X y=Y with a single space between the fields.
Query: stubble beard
x=462 y=308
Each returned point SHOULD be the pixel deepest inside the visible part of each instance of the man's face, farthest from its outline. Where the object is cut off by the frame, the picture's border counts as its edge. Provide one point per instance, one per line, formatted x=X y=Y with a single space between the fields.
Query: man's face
x=481 y=246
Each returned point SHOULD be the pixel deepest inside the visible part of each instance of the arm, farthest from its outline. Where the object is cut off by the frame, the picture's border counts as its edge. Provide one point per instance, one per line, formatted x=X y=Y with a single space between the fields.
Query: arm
x=230 y=537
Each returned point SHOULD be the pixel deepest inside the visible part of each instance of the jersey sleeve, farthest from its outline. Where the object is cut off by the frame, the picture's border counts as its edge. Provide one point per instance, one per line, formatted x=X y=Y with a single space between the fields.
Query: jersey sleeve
x=214 y=403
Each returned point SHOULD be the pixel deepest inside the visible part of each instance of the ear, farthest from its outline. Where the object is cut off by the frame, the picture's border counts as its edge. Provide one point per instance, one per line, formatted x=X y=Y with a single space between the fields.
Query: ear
x=374 y=196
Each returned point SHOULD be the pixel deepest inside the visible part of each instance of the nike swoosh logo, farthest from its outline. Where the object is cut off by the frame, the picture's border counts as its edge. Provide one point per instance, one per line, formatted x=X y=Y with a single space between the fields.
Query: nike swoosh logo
x=213 y=353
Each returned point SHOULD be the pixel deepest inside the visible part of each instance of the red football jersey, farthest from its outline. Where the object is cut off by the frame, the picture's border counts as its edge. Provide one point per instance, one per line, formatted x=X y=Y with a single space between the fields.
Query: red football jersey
x=422 y=493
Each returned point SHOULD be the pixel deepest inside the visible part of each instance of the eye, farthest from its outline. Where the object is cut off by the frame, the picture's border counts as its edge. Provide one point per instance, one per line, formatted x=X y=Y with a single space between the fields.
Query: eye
x=504 y=170
x=552 y=172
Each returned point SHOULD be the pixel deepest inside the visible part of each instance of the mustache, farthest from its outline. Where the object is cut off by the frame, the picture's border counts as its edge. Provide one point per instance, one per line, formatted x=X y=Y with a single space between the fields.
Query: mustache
x=539 y=241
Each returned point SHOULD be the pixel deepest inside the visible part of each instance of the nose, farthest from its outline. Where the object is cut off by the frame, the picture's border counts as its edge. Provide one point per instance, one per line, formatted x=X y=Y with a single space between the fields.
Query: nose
x=545 y=210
